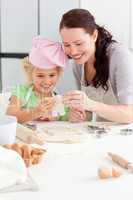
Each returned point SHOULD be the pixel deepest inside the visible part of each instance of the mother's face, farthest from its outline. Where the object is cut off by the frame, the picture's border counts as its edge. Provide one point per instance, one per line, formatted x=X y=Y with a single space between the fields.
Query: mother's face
x=78 y=44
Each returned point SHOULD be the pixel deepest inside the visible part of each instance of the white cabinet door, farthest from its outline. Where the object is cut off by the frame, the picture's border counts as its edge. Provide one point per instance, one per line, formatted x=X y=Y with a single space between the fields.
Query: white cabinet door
x=50 y=15
x=12 y=74
x=18 y=24
x=114 y=15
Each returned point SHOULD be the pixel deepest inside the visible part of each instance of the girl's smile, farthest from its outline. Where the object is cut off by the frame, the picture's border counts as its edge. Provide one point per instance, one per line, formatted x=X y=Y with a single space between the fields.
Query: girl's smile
x=44 y=80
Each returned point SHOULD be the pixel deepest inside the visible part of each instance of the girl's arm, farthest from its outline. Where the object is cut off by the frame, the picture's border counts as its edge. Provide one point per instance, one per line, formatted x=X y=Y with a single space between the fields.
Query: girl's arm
x=25 y=114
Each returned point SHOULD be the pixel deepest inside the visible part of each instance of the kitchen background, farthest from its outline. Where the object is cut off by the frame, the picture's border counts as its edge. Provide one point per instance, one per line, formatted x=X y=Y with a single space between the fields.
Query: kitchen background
x=20 y=20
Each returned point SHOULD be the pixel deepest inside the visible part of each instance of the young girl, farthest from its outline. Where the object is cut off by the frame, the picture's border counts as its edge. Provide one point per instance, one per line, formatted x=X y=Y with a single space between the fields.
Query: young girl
x=43 y=67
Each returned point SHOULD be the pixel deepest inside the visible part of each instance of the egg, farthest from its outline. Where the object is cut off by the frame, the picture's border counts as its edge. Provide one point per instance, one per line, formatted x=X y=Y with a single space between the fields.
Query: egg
x=116 y=173
x=104 y=173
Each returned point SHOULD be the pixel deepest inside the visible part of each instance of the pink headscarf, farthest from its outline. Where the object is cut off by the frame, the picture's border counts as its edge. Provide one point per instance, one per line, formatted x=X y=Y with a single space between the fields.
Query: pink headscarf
x=46 y=54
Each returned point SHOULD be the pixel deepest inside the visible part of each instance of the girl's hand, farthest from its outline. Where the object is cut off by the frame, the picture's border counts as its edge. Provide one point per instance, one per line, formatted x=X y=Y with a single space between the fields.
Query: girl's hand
x=79 y=100
x=46 y=118
x=76 y=115
x=45 y=107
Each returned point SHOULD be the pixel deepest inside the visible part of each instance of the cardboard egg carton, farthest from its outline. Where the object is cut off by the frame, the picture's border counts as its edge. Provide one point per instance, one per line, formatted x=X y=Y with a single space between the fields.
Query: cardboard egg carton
x=30 y=154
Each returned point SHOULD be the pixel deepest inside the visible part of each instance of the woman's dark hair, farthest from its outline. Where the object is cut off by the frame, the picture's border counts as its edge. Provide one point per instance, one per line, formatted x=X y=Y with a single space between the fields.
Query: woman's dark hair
x=81 y=18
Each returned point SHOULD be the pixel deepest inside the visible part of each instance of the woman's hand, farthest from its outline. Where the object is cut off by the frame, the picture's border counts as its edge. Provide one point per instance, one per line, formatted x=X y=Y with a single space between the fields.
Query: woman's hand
x=76 y=115
x=79 y=100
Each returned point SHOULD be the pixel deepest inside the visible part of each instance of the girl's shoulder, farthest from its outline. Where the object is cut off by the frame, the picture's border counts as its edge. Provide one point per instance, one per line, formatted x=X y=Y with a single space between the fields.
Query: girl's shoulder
x=21 y=90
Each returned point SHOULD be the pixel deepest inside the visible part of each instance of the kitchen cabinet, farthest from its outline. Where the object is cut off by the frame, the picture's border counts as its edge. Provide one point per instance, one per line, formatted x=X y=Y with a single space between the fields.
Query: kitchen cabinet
x=20 y=21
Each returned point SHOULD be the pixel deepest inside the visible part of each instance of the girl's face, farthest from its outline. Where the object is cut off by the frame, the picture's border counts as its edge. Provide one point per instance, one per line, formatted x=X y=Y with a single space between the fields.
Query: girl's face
x=78 y=44
x=44 y=80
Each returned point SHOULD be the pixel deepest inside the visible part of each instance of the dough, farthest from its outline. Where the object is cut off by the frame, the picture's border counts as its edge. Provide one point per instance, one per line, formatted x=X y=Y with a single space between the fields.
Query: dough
x=63 y=134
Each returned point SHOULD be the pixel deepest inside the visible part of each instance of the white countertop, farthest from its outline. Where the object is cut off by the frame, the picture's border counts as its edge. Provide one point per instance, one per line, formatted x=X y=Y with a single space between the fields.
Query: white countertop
x=69 y=171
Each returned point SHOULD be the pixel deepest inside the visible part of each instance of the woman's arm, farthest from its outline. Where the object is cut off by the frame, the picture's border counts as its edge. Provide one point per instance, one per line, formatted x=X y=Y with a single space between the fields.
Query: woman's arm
x=25 y=114
x=116 y=113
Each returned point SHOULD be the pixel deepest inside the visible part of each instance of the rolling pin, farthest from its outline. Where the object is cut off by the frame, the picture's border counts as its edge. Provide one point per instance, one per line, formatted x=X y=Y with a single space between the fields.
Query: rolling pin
x=121 y=161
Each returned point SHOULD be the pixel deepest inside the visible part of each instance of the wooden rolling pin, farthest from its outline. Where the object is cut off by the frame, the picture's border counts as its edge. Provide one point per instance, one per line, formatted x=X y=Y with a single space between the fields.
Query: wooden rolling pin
x=121 y=161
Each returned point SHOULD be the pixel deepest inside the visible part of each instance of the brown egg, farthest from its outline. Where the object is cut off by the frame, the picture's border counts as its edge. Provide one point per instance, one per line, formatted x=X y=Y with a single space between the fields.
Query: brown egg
x=35 y=159
x=116 y=173
x=16 y=148
x=104 y=173
x=37 y=151
x=26 y=151
x=8 y=146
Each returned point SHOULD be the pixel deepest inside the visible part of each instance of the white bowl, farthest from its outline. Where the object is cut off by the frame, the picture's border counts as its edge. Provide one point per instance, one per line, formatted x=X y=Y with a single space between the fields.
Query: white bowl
x=8 y=126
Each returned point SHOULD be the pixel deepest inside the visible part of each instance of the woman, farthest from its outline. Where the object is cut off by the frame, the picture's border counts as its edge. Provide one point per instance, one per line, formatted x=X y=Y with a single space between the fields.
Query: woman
x=103 y=70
